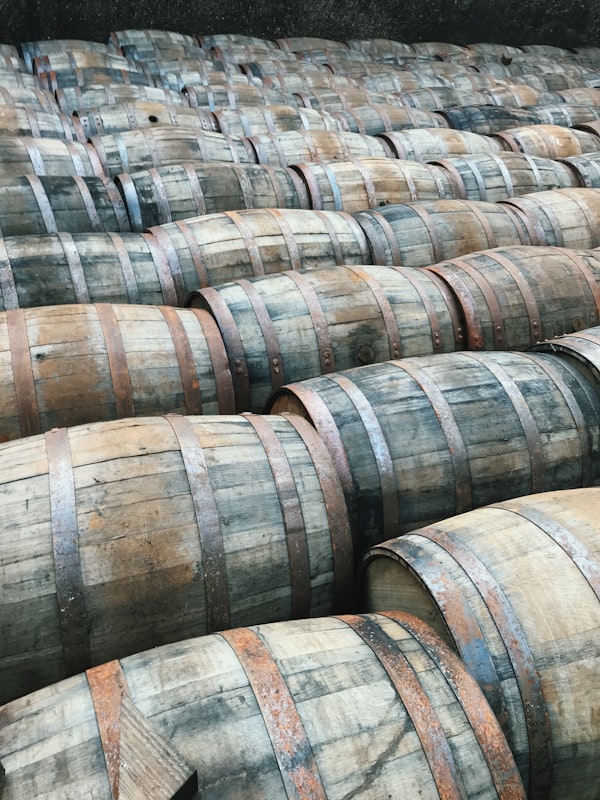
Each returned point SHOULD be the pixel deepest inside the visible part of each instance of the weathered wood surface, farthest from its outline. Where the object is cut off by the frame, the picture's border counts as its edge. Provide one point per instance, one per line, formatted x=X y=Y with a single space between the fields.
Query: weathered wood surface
x=78 y=98
x=26 y=155
x=53 y=269
x=293 y=326
x=429 y=144
x=217 y=248
x=561 y=217
x=549 y=141
x=24 y=120
x=41 y=47
x=418 y=440
x=357 y=183
x=435 y=99
x=587 y=168
x=164 y=194
x=91 y=76
x=498 y=176
x=296 y=147
x=565 y=114
x=222 y=96
x=130 y=151
x=33 y=204
x=38 y=99
x=255 y=120
x=380 y=117
x=124 y=535
x=514 y=297
x=421 y=233
x=140 y=114
x=352 y=706
x=486 y=119
x=581 y=348
x=71 y=364
x=68 y=60
x=514 y=587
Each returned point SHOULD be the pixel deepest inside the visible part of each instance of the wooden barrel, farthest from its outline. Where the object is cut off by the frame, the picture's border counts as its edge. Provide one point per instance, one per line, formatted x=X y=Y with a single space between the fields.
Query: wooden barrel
x=92 y=76
x=24 y=120
x=443 y=97
x=69 y=60
x=337 y=99
x=498 y=176
x=548 y=82
x=148 y=50
x=512 y=94
x=581 y=348
x=131 y=151
x=423 y=233
x=243 y=53
x=487 y=582
x=296 y=147
x=561 y=217
x=583 y=95
x=487 y=119
x=475 y=80
x=217 y=248
x=513 y=297
x=381 y=47
x=43 y=47
x=52 y=269
x=81 y=98
x=142 y=114
x=179 y=191
x=565 y=114
x=134 y=35
x=359 y=183
x=221 y=96
x=309 y=708
x=296 y=325
x=381 y=117
x=549 y=141
x=228 y=39
x=429 y=144
x=438 y=48
x=72 y=364
x=168 y=539
x=257 y=120
x=587 y=168
x=421 y=439
x=306 y=81
x=23 y=155
x=32 y=204
x=274 y=66
x=401 y=81
x=21 y=80
x=295 y=43
x=36 y=99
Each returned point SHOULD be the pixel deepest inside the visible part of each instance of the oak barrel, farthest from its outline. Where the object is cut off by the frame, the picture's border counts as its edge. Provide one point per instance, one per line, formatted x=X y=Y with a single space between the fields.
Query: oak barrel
x=71 y=364
x=37 y=99
x=358 y=183
x=565 y=114
x=232 y=95
x=25 y=155
x=57 y=268
x=379 y=117
x=76 y=98
x=420 y=234
x=420 y=439
x=140 y=114
x=486 y=119
x=587 y=168
x=130 y=151
x=429 y=144
x=581 y=348
x=161 y=195
x=498 y=176
x=296 y=147
x=488 y=581
x=217 y=248
x=514 y=297
x=291 y=326
x=351 y=706
x=32 y=204
x=24 y=120
x=178 y=526
x=549 y=141
x=256 y=120
x=42 y=47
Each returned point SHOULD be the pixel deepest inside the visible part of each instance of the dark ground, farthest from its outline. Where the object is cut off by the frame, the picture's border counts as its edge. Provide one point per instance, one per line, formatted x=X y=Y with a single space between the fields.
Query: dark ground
x=567 y=23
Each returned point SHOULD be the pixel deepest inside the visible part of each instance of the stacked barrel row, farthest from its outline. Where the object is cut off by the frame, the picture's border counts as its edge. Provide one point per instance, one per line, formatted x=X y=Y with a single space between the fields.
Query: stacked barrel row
x=130 y=533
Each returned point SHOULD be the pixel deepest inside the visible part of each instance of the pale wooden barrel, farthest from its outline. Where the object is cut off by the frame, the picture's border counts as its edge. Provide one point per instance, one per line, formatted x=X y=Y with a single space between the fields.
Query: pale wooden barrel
x=438 y=48
x=308 y=709
x=296 y=147
x=134 y=35
x=430 y=99
x=257 y=120
x=220 y=96
x=243 y=52
x=565 y=114
x=581 y=347
x=180 y=526
x=487 y=581
x=513 y=297
x=25 y=155
x=37 y=99
x=72 y=364
x=43 y=47
x=24 y=120
x=401 y=81
x=429 y=144
x=583 y=95
x=92 y=76
x=229 y=39
x=380 y=117
x=358 y=183
x=512 y=94
x=498 y=176
x=487 y=119
x=148 y=50
x=21 y=80
x=130 y=151
x=421 y=439
x=381 y=47
x=296 y=325
x=69 y=60
x=561 y=217
x=295 y=43
x=141 y=114
x=336 y=98
x=214 y=249
x=161 y=195
x=422 y=233
x=306 y=80
x=53 y=269
x=32 y=204
x=549 y=141
x=80 y=98
x=587 y=168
